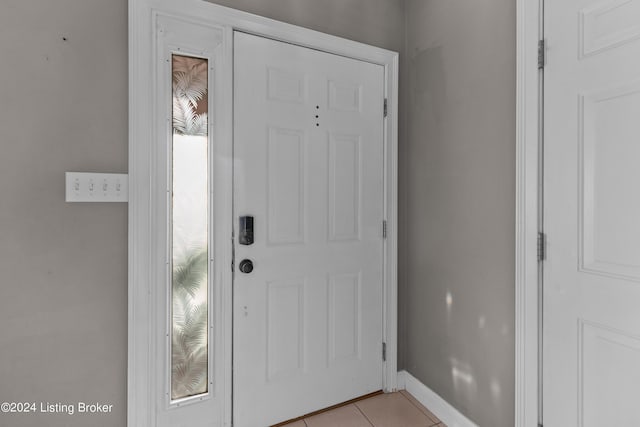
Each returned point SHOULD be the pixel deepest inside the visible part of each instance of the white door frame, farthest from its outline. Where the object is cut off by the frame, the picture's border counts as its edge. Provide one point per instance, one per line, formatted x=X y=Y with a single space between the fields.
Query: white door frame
x=143 y=224
x=528 y=175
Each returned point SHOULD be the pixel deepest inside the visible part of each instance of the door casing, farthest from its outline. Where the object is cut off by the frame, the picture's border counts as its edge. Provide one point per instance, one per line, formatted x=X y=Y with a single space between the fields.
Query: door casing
x=529 y=30
x=144 y=224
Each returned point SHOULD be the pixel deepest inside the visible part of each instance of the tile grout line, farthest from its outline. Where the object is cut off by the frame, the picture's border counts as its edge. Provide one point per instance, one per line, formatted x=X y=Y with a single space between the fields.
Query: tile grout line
x=329 y=409
x=421 y=411
x=363 y=414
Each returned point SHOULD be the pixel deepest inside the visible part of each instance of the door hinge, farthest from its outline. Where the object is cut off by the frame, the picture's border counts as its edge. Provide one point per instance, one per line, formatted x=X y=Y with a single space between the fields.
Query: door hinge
x=541 y=54
x=542 y=246
x=384 y=351
x=384 y=229
x=384 y=108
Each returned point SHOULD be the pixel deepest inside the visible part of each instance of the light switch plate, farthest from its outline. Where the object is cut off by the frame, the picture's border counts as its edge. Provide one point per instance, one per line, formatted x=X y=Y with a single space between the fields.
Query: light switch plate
x=96 y=187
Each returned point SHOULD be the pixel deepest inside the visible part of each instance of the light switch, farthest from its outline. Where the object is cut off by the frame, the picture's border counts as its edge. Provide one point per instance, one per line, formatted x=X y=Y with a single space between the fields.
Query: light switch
x=96 y=187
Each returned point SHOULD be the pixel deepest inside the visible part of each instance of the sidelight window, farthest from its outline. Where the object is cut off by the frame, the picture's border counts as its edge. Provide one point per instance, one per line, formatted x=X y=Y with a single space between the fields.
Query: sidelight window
x=188 y=228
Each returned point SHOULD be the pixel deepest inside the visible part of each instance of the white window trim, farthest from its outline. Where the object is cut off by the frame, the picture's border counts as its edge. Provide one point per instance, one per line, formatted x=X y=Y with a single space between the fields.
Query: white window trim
x=142 y=223
x=527 y=304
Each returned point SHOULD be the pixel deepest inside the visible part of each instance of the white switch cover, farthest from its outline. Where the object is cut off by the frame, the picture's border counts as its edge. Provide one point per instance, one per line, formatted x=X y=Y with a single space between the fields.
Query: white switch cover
x=96 y=187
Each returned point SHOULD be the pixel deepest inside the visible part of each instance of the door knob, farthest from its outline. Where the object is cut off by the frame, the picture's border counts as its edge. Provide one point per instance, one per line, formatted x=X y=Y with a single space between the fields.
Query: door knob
x=246 y=266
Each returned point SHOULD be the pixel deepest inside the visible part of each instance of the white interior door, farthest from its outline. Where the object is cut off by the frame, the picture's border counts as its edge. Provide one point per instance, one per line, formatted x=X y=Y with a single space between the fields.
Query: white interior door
x=308 y=166
x=592 y=214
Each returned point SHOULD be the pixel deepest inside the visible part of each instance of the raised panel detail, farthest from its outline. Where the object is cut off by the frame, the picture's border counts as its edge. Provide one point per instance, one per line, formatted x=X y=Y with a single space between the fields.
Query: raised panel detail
x=285 y=328
x=344 y=187
x=285 y=186
x=610 y=229
x=344 y=317
x=606 y=25
x=609 y=377
x=344 y=96
x=286 y=86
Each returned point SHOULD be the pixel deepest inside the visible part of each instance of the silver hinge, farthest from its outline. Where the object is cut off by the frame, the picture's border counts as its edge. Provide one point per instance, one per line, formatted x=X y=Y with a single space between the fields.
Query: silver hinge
x=384 y=351
x=384 y=108
x=541 y=52
x=384 y=229
x=542 y=246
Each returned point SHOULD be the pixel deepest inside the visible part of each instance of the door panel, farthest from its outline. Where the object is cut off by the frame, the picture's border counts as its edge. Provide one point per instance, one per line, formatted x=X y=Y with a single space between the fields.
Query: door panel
x=592 y=206
x=286 y=171
x=308 y=165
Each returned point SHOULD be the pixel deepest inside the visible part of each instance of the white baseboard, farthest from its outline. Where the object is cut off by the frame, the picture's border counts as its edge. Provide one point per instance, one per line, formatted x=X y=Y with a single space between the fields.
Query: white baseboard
x=440 y=407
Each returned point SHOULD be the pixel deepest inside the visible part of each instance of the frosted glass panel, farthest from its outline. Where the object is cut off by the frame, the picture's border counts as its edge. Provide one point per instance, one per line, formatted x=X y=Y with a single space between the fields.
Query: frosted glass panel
x=189 y=225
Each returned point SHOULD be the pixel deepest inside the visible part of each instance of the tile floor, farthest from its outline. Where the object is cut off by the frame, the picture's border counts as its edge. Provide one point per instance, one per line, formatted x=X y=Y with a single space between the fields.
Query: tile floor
x=384 y=410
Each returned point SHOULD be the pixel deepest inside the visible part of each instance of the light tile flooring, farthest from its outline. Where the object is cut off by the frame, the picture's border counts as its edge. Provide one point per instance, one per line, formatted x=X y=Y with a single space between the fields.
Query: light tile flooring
x=384 y=410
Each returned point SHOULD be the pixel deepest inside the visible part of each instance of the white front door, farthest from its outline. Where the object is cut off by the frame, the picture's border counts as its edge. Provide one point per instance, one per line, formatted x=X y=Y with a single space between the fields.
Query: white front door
x=308 y=167
x=592 y=214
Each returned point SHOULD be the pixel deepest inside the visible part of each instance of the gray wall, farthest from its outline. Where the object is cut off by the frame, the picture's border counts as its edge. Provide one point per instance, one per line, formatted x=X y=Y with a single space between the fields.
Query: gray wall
x=376 y=22
x=63 y=295
x=459 y=174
